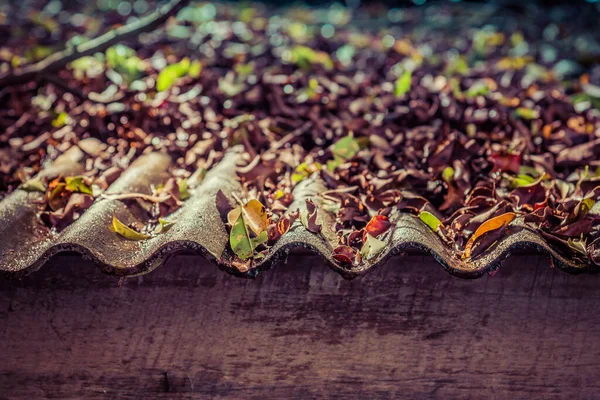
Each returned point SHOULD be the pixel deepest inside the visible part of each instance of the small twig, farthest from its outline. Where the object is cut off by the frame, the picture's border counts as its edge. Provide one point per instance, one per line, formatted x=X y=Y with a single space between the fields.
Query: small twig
x=58 y=60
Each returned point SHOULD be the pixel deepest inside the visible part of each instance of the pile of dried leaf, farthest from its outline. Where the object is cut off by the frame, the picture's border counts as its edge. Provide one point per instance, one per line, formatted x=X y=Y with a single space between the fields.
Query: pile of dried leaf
x=475 y=120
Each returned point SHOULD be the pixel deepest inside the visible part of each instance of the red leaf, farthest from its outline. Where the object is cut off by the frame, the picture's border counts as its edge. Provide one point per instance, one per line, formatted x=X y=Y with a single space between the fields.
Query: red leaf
x=378 y=225
x=344 y=254
x=506 y=162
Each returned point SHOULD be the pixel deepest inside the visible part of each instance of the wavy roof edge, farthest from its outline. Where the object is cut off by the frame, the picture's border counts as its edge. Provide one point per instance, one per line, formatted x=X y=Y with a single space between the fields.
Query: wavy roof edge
x=26 y=246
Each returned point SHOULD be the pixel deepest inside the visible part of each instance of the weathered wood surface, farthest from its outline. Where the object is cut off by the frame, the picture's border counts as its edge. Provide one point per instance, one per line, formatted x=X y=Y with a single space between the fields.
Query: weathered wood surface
x=407 y=329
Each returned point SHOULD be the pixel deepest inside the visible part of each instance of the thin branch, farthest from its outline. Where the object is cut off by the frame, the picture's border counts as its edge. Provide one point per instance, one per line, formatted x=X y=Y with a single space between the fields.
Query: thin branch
x=58 y=60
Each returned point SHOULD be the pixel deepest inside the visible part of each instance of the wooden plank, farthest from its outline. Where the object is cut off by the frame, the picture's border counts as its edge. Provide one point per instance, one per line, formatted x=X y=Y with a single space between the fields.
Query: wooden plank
x=407 y=329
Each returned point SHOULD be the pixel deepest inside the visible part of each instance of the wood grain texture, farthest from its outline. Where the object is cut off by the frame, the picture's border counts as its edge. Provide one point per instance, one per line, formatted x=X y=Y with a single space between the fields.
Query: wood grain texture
x=406 y=330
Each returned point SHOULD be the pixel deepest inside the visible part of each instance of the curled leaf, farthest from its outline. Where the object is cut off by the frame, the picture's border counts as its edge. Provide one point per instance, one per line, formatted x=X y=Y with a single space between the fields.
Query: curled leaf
x=489 y=225
x=578 y=246
x=125 y=231
x=344 y=254
x=281 y=227
x=311 y=218
x=372 y=247
x=378 y=225
x=163 y=226
x=486 y=240
x=233 y=215
x=430 y=220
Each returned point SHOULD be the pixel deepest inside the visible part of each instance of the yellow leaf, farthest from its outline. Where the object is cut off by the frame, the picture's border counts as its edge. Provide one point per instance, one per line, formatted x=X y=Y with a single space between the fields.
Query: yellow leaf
x=233 y=215
x=255 y=216
x=125 y=231
x=489 y=225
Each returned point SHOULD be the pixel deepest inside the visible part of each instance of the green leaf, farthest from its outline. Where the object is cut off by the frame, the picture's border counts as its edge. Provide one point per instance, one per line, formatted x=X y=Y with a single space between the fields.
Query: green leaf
x=34 y=185
x=346 y=147
x=195 y=69
x=60 y=120
x=125 y=231
x=163 y=226
x=528 y=170
x=248 y=228
x=125 y=61
x=457 y=65
x=183 y=189
x=304 y=170
x=448 y=174
x=403 y=84
x=76 y=184
x=84 y=63
x=171 y=73
x=38 y=52
x=521 y=180
x=333 y=164
x=372 y=247
x=242 y=244
x=118 y=54
x=526 y=113
x=243 y=70
x=479 y=88
x=305 y=57
x=430 y=220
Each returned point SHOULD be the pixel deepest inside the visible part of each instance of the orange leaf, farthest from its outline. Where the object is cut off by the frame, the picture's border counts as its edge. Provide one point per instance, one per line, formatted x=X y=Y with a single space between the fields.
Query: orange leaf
x=378 y=225
x=489 y=225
